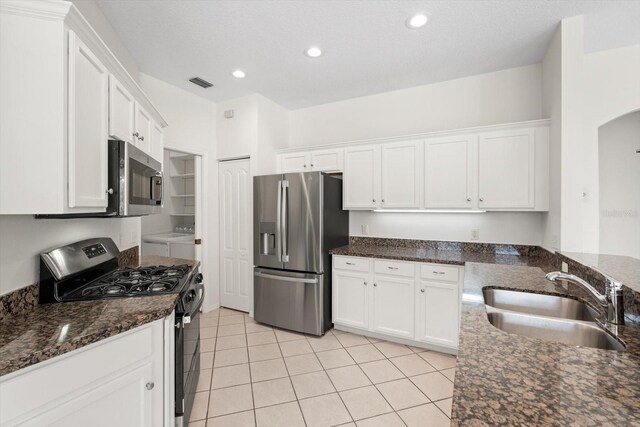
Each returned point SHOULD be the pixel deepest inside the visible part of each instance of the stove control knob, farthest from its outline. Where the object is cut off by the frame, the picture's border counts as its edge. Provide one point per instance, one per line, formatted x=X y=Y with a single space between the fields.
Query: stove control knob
x=150 y=385
x=199 y=278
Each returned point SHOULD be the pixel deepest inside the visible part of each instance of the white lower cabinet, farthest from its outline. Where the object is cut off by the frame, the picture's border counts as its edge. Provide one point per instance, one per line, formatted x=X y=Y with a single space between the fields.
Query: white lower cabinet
x=409 y=302
x=116 y=382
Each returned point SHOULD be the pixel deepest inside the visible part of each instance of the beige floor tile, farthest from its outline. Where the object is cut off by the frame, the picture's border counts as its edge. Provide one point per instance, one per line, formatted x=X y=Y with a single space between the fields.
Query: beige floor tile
x=417 y=349
x=226 y=330
x=206 y=360
x=402 y=394
x=234 y=356
x=241 y=419
x=324 y=411
x=445 y=406
x=381 y=371
x=337 y=332
x=229 y=400
x=294 y=348
x=204 y=380
x=335 y=358
x=264 y=352
x=424 y=415
x=273 y=392
x=435 y=385
x=365 y=402
x=391 y=349
x=256 y=327
x=229 y=312
x=348 y=377
x=302 y=364
x=365 y=353
x=439 y=360
x=449 y=373
x=268 y=370
x=347 y=425
x=324 y=343
x=199 y=408
x=350 y=340
x=287 y=414
x=208 y=322
x=373 y=340
x=208 y=332
x=412 y=364
x=201 y=423
x=230 y=375
x=231 y=320
x=207 y=345
x=312 y=384
x=233 y=341
x=260 y=338
x=386 y=420
x=212 y=313
x=284 y=336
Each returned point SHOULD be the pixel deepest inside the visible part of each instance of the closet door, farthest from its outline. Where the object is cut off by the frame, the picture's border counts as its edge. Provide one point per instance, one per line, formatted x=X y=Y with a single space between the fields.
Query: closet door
x=236 y=269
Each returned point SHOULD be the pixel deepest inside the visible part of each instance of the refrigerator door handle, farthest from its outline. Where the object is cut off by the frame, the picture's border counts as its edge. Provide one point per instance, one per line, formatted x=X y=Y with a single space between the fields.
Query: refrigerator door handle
x=286 y=279
x=279 y=223
x=285 y=225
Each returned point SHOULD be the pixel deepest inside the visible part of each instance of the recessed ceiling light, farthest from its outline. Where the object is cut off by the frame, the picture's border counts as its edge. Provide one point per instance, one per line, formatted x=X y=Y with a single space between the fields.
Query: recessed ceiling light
x=239 y=74
x=417 y=21
x=313 y=52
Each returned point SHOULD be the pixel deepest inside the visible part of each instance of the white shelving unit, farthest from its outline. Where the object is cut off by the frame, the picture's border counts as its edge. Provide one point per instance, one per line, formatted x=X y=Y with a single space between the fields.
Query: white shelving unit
x=182 y=188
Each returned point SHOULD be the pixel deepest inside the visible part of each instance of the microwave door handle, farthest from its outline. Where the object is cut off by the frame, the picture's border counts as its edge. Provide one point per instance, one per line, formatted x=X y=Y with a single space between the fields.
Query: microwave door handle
x=155 y=181
x=279 y=223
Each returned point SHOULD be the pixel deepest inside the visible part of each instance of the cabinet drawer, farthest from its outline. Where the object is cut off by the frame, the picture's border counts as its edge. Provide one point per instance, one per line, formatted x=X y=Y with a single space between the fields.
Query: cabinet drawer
x=439 y=272
x=351 y=263
x=394 y=268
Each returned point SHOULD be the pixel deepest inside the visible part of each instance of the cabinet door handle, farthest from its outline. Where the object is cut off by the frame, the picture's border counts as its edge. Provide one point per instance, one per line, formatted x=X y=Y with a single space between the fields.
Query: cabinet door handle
x=437 y=272
x=110 y=191
x=365 y=283
x=150 y=385
x=392 y=268
x=482 y=199
x=141 y=138
x=468 y=199
x=382 y=200
x=375 y=284
x=311 y=164
x=304 y=166
x=422 y=290
x=136 y=134
x=351 y=263
x=374 y=200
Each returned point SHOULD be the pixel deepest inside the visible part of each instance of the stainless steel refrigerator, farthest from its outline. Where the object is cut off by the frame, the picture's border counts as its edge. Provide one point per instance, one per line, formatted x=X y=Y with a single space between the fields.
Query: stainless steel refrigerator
x=297 y=219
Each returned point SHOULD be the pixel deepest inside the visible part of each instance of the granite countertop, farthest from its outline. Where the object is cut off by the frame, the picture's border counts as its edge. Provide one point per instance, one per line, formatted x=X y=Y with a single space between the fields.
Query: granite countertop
x=623 y=268
x=507 y=379
x=50 y=330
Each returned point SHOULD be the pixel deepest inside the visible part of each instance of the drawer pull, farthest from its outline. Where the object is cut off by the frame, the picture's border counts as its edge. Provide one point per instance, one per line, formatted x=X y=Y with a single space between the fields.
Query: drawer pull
x=351 y=263
x=438 y=272
x=150 y=385
x=365 y=283
x=392 y=268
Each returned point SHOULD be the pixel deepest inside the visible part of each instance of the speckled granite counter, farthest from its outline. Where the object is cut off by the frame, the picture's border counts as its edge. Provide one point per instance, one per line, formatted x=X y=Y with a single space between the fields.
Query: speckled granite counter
x=510 y=380
x=49 y=330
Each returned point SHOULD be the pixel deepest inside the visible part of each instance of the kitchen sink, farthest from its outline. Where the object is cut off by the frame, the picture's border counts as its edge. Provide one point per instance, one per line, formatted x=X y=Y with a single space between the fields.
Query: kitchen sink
x=577 y=333
x=539 y=305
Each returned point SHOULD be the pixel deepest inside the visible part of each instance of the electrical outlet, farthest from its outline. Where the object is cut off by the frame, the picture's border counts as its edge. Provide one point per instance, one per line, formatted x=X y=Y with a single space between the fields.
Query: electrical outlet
x=475 y=234
x=364 y=228
x=565 y=267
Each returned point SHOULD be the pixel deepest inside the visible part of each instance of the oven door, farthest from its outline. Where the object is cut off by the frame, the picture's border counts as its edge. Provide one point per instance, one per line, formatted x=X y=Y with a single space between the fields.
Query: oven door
x=188 y=349
x=142 y=193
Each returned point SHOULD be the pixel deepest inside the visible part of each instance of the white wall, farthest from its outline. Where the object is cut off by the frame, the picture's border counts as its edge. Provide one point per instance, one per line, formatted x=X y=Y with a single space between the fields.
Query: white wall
x=192 y=128
x=273 y=133
x=237 y=136
x=494 y=227
x=23 y=238
x=500 y=97
x=620 y=186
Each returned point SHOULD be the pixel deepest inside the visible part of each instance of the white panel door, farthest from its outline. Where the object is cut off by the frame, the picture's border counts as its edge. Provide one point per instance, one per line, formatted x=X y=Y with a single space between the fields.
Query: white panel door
x=327 y=160
x=506 y=172
x=448 y=172
x=121 y=111
x=295 y=162
x=361 y=178
x=236 y=275
x=88 y=123
x=401 y=168
x=438 y=313
x=143 y=124
x=351 y=298
x=157 y=142
x=393 y=306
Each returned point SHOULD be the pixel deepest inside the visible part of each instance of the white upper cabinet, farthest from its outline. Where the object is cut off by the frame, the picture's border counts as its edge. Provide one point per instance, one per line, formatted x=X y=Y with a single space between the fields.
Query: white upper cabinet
x=157 y=142
x=506 y=169
x=361 y=180
x=143 y=124
x=327 y=160
x=295 y=162
x=448 y=172
x=121 y=111
x=88 y=137
x=401 y=175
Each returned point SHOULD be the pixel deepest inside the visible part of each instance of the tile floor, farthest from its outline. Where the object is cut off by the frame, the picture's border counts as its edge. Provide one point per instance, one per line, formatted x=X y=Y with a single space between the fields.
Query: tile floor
x=254 y=375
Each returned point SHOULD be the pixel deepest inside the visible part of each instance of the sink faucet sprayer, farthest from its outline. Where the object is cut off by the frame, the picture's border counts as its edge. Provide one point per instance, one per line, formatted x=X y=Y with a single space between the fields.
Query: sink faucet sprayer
x=611 y=301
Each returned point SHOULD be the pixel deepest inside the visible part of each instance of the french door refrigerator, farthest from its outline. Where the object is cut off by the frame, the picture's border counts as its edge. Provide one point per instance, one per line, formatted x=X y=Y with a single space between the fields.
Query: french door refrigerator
x=298 y=218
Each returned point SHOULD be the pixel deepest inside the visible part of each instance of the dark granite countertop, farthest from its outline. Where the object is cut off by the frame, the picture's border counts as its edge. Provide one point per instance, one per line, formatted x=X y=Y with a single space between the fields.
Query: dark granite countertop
x=50 y=330
x=624 y=268
x=510 y=380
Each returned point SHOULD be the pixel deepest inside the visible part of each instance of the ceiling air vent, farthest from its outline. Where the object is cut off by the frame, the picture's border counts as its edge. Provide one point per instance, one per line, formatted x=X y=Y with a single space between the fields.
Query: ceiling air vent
x=202 y=83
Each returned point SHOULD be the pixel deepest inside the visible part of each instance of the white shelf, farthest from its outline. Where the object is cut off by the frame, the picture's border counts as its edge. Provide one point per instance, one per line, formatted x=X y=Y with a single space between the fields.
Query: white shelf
x=182 y=157
x=183 y=195
x=182 y=214
x=184 y=175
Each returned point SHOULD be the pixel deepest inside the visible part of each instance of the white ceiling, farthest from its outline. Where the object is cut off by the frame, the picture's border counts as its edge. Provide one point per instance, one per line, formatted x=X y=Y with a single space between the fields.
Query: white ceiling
x=368 y=49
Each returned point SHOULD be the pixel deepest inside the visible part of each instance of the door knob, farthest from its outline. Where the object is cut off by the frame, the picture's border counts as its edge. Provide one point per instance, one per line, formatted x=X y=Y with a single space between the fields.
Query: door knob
x=150 y=385
x=481 y=199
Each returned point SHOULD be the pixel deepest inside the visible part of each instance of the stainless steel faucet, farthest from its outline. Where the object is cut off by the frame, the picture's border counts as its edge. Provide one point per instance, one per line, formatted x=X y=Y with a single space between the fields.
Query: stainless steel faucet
x=611 y=301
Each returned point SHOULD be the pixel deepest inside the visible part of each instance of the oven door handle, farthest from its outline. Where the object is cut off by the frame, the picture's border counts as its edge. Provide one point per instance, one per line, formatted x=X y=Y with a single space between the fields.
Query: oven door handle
x=187 y=318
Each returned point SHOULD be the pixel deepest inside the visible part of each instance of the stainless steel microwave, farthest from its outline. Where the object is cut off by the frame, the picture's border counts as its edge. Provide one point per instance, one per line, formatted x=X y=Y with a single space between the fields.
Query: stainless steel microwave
x=135 y=181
